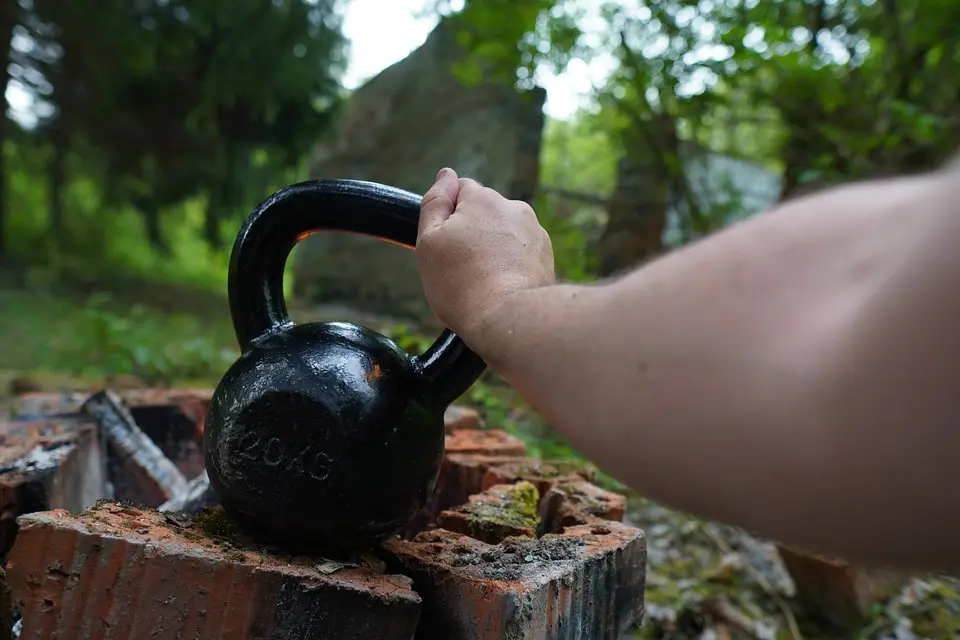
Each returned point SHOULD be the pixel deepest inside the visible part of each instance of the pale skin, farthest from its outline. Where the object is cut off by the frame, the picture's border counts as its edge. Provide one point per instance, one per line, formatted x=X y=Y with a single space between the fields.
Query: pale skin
x=797 y=374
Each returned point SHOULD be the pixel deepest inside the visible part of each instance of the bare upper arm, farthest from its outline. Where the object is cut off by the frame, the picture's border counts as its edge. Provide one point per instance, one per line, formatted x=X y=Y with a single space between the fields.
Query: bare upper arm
x=891 y=380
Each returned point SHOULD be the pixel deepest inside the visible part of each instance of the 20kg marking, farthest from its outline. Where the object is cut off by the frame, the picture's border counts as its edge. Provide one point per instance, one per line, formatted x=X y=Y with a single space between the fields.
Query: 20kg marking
x=274 y=453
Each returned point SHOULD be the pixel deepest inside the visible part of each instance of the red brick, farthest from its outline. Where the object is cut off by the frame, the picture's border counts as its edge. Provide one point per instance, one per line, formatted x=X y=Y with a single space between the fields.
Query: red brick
x=6 y=609
x=137 y=468
x=120 y=572
x=467 y=455
x=36 y=406
x=460 y=477
x=193 y=402
x=587 y=582
x=458 y=417
x=545 y=474
x=173 y=419
x=841 y=593
x=48 y=464
x=578 y=502
x=488 y=442
x=500 y=512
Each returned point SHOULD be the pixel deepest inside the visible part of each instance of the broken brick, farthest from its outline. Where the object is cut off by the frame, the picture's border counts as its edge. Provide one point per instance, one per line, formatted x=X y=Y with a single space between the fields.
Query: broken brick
x=6 y=608
x=587 y=582
x=500 y=512
x=578 y=502
x=137 y=468
x=39 y=406
x=48 y=464
x=488 y=442
x=458 y=417
x=121 y=572
x=467 y=455
x=460 y=477
x=841 y=593
x=172 y=418
x=192 y=402
x=545 y=474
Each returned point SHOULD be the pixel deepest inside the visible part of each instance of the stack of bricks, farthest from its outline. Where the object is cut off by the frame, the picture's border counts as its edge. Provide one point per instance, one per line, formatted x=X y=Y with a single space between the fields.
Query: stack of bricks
x=508 y=547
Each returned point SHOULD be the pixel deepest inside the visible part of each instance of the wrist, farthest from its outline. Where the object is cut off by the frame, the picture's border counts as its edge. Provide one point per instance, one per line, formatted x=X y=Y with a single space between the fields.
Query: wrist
x=516 y=317
x=491 y=327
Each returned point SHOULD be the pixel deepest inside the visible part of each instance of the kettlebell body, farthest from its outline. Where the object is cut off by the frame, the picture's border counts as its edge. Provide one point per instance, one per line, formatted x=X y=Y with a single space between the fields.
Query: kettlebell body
x=325 y=435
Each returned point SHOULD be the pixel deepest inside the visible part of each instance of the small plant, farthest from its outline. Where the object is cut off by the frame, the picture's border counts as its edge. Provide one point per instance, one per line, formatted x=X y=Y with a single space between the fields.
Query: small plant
x=155 y=348
x=408 y=338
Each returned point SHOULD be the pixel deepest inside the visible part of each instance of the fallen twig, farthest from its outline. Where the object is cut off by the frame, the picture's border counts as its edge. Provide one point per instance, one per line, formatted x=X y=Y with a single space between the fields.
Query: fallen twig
x=726 y=611
x=762 y=582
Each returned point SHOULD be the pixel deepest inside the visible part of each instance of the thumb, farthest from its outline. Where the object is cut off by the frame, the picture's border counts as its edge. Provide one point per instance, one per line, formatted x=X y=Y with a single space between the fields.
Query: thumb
x=439 y=202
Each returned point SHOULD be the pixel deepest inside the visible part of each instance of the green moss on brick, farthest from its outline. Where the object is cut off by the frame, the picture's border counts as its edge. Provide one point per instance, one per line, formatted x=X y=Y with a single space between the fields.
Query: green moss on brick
x=518 y=509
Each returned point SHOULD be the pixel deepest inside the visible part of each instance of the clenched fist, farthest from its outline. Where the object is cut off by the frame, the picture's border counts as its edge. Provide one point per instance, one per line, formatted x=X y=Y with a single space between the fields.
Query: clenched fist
x=475 y=250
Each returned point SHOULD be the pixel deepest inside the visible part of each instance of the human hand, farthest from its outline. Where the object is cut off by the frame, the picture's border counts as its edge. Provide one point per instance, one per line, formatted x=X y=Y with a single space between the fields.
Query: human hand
x=475 y=250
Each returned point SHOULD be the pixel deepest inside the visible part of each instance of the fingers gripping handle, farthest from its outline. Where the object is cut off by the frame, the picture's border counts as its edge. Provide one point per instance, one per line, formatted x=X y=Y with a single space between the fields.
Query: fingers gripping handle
x=255 y=280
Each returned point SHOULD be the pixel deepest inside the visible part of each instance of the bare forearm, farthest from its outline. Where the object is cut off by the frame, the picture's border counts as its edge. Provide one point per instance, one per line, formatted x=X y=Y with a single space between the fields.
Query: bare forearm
x=699 y=379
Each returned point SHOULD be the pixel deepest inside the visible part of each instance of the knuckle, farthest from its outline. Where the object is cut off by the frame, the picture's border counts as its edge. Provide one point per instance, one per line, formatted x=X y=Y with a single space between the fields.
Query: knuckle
x=523 y=208
x=434 y=196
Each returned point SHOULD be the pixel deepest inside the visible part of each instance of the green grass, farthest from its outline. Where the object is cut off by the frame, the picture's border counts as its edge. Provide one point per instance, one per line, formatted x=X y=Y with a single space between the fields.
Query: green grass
x=135 y=331
x=28 y=325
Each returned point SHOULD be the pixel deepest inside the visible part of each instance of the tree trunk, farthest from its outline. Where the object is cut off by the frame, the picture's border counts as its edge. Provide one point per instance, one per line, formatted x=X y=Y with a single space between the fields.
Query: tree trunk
x=8 y=20
x=57 y=176
x=213 y=215
x=151 y=220
x=637 y=217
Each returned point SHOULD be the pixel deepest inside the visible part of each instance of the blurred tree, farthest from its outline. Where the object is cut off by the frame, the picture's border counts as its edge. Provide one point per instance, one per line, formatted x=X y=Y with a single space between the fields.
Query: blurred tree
x=9 y=19
x=172 y=100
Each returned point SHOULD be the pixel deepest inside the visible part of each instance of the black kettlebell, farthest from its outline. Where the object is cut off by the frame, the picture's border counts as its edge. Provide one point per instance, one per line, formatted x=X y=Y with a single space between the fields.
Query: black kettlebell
x=325 y=435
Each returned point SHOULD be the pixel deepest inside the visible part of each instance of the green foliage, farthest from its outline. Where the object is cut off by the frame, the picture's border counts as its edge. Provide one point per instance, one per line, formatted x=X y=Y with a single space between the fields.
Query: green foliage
x=100 y=243
x=214 y=103
x=409 y=339
x=579 y=154
x=508 y=41
x=578 y=159
x=160 y=336
x=155 y=348
x=822 y=91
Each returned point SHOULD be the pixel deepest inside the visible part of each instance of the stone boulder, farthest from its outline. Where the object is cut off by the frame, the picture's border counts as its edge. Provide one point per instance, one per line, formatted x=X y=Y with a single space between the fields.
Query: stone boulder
x=400 y=128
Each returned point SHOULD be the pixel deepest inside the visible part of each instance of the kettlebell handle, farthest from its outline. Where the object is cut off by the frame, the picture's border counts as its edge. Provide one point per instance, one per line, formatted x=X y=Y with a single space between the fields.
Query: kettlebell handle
x=255 y=280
